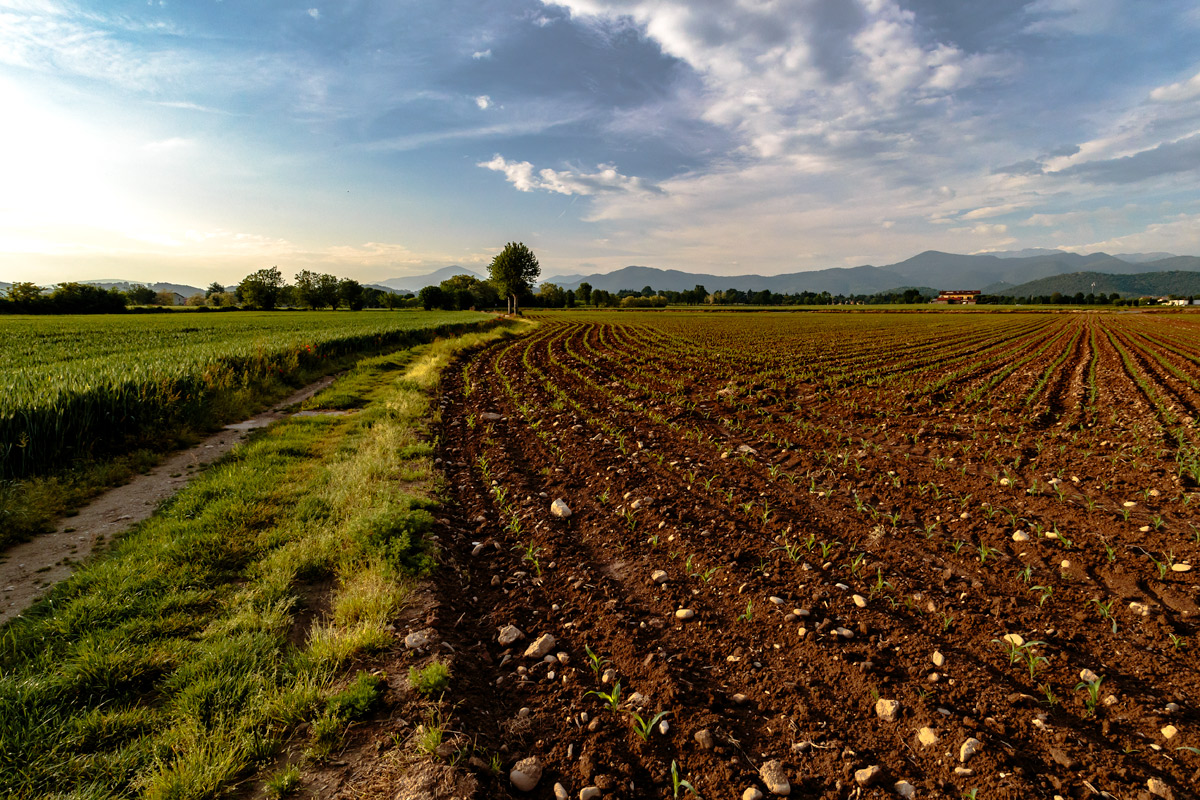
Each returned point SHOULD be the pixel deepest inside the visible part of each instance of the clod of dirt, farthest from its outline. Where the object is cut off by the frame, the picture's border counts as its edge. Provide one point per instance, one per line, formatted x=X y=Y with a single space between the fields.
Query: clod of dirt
x=886 y=710
x=773 y=777
x=526 y=773
x=704 y=738
x=1159 y=789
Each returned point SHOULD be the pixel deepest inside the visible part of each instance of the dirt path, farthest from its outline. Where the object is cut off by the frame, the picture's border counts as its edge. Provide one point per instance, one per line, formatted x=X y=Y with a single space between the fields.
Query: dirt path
x=28 y=569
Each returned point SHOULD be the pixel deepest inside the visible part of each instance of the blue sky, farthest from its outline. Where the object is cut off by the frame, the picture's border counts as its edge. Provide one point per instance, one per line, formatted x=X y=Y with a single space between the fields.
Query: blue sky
x=197 y=141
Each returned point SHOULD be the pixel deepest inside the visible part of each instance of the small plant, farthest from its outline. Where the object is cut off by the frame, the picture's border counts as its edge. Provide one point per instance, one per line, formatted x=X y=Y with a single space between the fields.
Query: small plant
x=1045 y=593
x=1176 y=641
x=677 y=782
x=434 y=677
x=644 y=727
x=1106 y=612
x=947 y=621
x=986 y=552
x=595 y=661
x=430 y=734
x=1048 y=692
x=612 y=697
x=748 y=614
x=1092 y=698
x=1025 y=574
x=284 y=782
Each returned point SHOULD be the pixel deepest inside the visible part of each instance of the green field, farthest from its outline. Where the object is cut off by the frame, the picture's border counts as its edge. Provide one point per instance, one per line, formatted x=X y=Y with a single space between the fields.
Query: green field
x=75 y=387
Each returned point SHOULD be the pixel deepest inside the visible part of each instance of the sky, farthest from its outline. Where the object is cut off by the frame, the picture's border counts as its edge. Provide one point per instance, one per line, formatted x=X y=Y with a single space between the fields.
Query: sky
x=199 y=140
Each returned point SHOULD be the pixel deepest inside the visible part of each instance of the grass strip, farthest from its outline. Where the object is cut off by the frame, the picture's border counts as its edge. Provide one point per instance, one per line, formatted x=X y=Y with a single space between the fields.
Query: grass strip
x=187 y=654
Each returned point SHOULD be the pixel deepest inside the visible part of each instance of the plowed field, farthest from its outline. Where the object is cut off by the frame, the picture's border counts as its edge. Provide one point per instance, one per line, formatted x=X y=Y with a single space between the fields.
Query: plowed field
x=894 y=533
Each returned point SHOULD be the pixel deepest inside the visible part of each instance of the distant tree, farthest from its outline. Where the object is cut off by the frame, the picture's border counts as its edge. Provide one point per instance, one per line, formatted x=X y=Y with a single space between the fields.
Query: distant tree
x=432 y=297
x=140 y=295
x=261 y=288
x=513 y=270
x=570 y=298
x=84 y=298
x=223 y=300
x=306 y=288
x=197 y=299
x=585 y=293
x=350 y=292
x=164 y=298
x=213 y=288
x=647 y=291
x=470 y=292
x=550 y=295
x=26 y=294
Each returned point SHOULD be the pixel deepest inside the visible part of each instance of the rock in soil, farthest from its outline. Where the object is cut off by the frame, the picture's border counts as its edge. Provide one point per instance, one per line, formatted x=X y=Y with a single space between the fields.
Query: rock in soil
x=560 y=509
x=773 y=777
x=752 y=793
x=886 y=710
x=542 y=647
x=509 y=634
x=905 y=790
x=969 y=748
x=704 y=738
x=927 y=736
x=869 y=776
x=526 y=773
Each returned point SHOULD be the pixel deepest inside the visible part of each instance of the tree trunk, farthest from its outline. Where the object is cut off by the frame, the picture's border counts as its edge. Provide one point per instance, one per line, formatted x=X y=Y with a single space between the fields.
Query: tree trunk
x=516 y=307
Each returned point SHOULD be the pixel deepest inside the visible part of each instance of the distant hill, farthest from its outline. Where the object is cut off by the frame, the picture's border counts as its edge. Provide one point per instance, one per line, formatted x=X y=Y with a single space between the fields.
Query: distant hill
x=992 y=273
x=415 y=283
x=1154 y=284
x=124 y=286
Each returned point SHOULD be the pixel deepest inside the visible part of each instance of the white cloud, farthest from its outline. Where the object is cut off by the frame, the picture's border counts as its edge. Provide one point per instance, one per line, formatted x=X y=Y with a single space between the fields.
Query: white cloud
x=173 y=144
x=483 y=101
x=1178 y=234
x=1178 y=92
x=481 y=54
x=607 y=179
x=1071 y=17
x=315 y=13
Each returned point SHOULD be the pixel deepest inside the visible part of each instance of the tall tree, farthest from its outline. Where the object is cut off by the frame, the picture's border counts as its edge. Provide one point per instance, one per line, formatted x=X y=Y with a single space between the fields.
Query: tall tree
x=261 y=288
x=513 y=270
x=214 y=288
x=350 y=292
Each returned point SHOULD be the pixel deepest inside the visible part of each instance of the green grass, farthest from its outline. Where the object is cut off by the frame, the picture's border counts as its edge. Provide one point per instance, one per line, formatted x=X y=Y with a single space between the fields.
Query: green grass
x=172 y=665
x=430 y=679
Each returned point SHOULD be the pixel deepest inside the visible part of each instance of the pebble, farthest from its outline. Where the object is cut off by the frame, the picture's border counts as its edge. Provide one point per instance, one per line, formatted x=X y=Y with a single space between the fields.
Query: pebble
x=1065 y=564
x=684 y=613
x=776 y=600
x=773 y=777
x=1181 y=567
x=969 y=748
x=938 y=659
x=609 y=675
x=1141 y=609
x=539 y=649
x=1172 y=708
x=560 y=509
x=886 y=710
x=659 y=576
x=869 y=776
x=752 y=793
x=704 y=738
x=845 y=633
x=905 y=790
x=964 y=772
x=589 y=793
x=859 y=601
x=1158 y=788
x=416 y=640
x=1020 y=536
x=1013 y=638
x=1169 y=732
x=927 y=736
x=739 y=699
x=526 y=773
x=934 y=677
x=560 y=792
x=1087 y=676
x=509 y=634
x=663 y=727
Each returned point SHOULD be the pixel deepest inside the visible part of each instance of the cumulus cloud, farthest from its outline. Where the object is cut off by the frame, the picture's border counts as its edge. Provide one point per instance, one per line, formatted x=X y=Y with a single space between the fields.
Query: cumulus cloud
x=1179 y=156
x=315 y=13
x=481 y=54
x=1071 y=17
x=483 y=101
x=523 y=177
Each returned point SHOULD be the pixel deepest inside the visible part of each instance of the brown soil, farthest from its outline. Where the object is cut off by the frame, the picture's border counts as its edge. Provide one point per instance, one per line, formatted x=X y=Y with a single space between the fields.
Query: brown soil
x=829 y=565
x=28 y=569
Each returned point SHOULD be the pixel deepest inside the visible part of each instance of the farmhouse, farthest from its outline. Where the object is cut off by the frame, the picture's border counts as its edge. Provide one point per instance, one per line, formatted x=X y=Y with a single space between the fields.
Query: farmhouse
x=957 y=297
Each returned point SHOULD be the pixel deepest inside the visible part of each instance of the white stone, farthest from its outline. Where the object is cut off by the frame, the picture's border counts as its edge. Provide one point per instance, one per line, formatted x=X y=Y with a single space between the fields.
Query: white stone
x=752 y=793
x=560 y=509
x=886 y=710
x=416 y=640
x=1141 y=609
x=868 y=776
x=927 y=736
x=684 y=613
x=560 y=792
x=905 y=790
x=1088 y=676
x=1020 y=536
x=539 y=649
x=1169 y=732
x=1014 y=639
x=969 y=748
x=589 y=793
x=526 y=773
x=776 y=600
x=1181 y=567
x=659 y=576
x=1158 y=788
x=938 y=659
x=509 y=634
x=859 y=601
x=772 y=775
x=845 y=633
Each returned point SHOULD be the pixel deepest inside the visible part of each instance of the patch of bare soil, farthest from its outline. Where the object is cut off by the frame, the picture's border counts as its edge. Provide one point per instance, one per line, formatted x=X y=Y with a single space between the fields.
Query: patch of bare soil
x=28 y=569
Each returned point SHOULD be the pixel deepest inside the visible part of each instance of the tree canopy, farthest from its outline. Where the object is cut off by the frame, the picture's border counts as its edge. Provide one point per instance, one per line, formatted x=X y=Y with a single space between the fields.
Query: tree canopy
x=513 y=271
x=261 y=288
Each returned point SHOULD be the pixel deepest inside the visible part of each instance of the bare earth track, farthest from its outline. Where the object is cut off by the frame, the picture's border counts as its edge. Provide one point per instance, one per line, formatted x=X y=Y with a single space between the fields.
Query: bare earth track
x=850 y=518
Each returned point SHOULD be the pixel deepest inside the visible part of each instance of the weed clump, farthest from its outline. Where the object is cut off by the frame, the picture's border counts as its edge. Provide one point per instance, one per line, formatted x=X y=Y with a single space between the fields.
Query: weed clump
x=430 y=679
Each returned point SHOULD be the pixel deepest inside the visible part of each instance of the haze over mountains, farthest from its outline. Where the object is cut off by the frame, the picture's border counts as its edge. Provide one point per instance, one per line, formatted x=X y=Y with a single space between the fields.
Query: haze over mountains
x=1018 y=273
